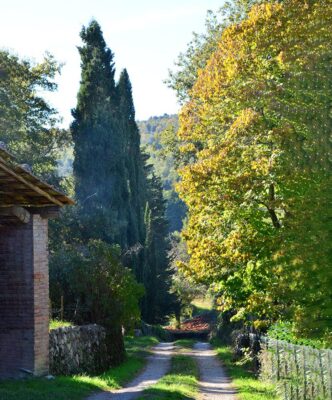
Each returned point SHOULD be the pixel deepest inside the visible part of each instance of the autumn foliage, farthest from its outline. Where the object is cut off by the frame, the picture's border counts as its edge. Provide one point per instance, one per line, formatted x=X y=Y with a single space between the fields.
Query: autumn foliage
x=258 y=187
x=198 y=324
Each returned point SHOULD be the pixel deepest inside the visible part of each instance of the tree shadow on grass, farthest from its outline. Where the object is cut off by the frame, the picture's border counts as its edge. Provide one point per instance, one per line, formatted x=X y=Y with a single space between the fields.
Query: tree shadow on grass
x=61 y=388
x=164 y=394
x=70 y=387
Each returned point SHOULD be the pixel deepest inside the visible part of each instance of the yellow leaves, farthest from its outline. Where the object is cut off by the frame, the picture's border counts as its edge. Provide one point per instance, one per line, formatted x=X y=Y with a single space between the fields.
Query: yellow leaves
x=245 y=120
x=297 y=261
x=261 y=166
x=269 y=10
x=281 y=59
x=240 y=315
x=259 y=114
x=187 y=148
x=261 y=324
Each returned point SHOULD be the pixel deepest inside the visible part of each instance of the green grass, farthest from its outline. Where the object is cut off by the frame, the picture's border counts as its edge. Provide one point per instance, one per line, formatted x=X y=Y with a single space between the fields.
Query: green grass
x=139 y=344
x=181 y=383
x=79 y=387
x=56 y=323
x=186 y=343
x=202 y=305
x=248 y=386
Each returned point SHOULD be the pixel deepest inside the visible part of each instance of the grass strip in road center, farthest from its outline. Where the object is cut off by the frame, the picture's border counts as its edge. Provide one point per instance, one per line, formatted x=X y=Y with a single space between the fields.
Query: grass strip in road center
x=186 y=343
x=179 y=384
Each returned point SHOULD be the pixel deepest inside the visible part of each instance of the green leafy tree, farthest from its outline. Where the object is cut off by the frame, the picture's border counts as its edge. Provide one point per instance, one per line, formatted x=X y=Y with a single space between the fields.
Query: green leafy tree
x=258 y=187
x=28 y=124
x=183 y=287
x=96 y=288
x=183 y=77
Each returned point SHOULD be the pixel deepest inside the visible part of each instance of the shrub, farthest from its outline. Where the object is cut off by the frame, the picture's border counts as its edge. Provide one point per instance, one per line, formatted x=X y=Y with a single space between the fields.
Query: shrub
x=97 y=288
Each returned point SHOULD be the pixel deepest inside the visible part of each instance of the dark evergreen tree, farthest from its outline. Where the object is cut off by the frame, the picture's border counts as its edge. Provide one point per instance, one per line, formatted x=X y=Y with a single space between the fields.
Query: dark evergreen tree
x=113 y=184
x=99 y=167
x=147 y=226
x=134 y=175
x=158 y=302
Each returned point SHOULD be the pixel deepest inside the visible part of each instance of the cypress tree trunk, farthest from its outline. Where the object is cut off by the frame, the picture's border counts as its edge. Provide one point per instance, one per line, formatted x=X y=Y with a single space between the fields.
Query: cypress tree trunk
x=115 y=345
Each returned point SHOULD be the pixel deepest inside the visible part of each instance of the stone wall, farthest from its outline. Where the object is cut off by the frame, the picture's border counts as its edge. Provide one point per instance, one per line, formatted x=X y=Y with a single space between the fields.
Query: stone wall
x=78 y=349
x=156 y=330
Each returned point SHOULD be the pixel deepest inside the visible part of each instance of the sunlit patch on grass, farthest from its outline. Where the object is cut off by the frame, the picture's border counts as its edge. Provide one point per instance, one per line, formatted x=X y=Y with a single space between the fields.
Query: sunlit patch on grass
x=179 y=384
x=80 y=386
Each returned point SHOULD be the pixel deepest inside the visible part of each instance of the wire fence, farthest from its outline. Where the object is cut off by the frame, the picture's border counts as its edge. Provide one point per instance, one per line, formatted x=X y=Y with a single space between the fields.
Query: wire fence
x=77 y=313
x=300 y=372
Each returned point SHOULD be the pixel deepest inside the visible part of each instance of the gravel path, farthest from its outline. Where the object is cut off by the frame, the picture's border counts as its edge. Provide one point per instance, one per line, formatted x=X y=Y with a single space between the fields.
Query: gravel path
x=157 y=366
x=214 y=383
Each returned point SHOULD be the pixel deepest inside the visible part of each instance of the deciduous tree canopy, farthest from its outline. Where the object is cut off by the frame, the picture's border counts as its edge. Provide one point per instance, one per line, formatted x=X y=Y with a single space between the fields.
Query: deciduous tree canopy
x=258 y=188
x=28 y=124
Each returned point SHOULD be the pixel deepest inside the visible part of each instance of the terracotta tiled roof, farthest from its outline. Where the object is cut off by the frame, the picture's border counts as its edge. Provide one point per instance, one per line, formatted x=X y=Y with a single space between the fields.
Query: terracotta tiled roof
x=19 y=187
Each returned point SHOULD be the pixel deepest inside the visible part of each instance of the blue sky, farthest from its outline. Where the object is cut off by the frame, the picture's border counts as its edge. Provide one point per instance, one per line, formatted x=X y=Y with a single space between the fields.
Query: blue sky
x=146 y=37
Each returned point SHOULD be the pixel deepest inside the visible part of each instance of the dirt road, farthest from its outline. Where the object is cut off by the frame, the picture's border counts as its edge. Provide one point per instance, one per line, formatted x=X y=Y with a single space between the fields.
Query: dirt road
x=157 y=366
x=214 y=383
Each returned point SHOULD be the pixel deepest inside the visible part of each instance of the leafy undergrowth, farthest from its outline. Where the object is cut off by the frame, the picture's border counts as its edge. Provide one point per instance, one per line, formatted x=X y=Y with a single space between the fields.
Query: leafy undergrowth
x=79 y=387
x=181 y=383
x=284 y=331
x=248 y=386
x=56 y=323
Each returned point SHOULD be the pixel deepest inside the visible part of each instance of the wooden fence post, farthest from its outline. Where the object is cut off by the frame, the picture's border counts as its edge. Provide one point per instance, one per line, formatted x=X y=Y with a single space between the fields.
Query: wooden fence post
x=61 y=309
x=297 y=369
x=304 y=375
x=278 y=361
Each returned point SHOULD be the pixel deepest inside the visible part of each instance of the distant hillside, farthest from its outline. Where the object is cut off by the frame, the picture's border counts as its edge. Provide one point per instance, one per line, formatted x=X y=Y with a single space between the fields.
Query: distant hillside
x=154 y=125
x=164 y=167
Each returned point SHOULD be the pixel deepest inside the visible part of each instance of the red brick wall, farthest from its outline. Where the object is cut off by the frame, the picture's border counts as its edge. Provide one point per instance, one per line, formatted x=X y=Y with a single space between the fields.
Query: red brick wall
x=24 y=298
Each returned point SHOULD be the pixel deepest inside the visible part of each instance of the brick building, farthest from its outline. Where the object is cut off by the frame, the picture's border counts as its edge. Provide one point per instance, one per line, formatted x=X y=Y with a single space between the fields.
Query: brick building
x=26 y=203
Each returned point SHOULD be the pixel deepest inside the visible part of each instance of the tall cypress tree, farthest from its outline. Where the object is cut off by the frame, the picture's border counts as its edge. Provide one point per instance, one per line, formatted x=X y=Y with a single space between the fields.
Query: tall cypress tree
x=156 y=274
x=133 y=162
x=99 y=168
x=113 y=183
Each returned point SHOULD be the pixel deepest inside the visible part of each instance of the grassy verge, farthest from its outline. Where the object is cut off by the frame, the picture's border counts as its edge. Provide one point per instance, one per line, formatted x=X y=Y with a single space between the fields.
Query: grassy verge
x=181 y=383
x=78 y=387
x=186 y=343
x=138 y=345
x=57 y=323
x=249 y=387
